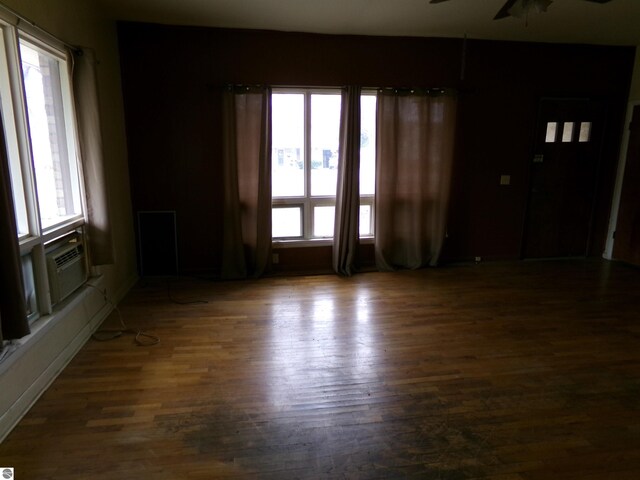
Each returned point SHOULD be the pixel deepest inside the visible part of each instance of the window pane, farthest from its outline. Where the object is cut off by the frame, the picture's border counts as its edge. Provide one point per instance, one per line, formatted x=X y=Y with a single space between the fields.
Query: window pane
x=53 y=158
x=325 y=133
x=287 y=175
x=29 y=284
x=13 y=153
x=552 y=129
x=367 y=144
x=323 y=221
x=286 y=222
x=365 y=220
x=567 y=132
x=585 y=132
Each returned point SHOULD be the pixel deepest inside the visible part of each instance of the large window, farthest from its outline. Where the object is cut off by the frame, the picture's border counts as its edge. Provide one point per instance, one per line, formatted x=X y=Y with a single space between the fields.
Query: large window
x=40 y=134
x=52 y=145
x=306 y=125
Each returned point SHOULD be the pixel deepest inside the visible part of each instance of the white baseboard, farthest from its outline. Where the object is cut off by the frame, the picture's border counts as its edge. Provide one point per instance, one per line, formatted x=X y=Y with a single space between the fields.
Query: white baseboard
x=27 y=373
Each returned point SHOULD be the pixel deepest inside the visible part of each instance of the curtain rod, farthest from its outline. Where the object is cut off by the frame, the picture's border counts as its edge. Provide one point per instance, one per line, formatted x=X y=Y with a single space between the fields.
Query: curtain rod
x=411 y=90
x=429 y=90
x=21 y=18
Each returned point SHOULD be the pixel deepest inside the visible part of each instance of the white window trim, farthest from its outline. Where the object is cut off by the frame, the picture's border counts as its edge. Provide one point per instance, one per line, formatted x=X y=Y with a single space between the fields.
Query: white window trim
x=307 y=202
x=316 y=242
x=72 y=140
x=39 y=240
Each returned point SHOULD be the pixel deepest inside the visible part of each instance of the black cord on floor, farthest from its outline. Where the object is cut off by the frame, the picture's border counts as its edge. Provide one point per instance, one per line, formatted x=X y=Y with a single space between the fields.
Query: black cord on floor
x=181 y=302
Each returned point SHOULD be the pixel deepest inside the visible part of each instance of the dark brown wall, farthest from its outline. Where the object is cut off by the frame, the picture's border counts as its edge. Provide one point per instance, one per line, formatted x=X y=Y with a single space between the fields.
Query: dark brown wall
x=627 y=241
x=172 y=78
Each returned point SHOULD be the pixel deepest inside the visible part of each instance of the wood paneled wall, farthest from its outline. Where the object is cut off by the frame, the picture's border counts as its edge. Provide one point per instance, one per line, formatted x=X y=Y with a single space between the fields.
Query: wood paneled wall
x=172 y=79
x=627 y=240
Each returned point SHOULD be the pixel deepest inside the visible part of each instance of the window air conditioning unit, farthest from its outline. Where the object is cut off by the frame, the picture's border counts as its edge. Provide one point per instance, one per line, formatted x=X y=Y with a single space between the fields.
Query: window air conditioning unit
x=67 y=270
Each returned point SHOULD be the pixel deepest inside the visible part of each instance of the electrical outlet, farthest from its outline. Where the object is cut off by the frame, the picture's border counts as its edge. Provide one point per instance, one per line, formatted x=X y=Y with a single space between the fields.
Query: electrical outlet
x=478 y=259
x=275 y=258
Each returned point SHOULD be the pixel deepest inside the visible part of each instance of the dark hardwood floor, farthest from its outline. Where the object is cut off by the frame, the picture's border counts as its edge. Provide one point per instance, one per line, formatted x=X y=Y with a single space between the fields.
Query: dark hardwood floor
x=504 y=371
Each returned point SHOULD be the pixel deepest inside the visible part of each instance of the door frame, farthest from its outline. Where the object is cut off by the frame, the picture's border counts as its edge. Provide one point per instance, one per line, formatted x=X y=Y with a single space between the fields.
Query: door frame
x=617 y=191
x=533 y=152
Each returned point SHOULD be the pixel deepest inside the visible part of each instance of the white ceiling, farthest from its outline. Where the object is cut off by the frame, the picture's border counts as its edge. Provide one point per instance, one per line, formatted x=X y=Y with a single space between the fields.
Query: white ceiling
x=573 y=21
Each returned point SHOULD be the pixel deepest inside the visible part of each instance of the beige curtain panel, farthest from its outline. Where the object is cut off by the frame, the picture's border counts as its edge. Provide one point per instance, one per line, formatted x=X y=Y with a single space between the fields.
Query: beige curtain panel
x=415 y=131
x=247 y=180
x=346 y=229
x=85 y=92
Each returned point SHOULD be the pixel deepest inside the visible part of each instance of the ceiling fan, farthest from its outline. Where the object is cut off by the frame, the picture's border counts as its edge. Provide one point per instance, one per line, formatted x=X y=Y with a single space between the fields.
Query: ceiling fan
x=519 y=8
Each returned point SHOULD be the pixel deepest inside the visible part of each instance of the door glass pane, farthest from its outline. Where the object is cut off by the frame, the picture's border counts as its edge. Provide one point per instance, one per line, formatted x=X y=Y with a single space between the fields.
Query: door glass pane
x=552 y=131
x=287 y=175
x=54 y=160
x=325 y=132
x=323 y=221
x=585 y=132
x=367 y=144
x=567 y=132
x=286 y=222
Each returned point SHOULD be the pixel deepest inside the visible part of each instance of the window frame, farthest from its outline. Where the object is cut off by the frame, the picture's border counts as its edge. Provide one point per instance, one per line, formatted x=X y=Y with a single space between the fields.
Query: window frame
x=38 y=240
x=369 y=198
x=70 y=137
x=307 y=202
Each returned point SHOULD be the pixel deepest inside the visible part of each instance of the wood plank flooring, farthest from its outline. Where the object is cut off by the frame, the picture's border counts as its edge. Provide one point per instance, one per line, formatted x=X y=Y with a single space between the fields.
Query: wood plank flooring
x=511 y=371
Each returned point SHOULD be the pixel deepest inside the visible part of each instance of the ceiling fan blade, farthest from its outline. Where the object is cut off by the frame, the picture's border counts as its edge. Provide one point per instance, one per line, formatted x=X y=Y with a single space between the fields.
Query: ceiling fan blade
x=504 y=11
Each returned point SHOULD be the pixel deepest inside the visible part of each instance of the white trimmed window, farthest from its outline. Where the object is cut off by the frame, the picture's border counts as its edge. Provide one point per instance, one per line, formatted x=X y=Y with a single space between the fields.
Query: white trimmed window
x=41 y=139
x=305 y=137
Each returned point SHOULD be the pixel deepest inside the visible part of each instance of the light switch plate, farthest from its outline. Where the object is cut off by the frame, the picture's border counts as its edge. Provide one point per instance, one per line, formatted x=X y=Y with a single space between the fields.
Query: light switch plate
x=505 y=179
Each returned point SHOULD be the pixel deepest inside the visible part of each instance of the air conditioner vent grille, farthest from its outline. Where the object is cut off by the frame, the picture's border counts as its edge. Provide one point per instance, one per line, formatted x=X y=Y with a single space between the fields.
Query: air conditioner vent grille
x=67 y=270
x=66 y=257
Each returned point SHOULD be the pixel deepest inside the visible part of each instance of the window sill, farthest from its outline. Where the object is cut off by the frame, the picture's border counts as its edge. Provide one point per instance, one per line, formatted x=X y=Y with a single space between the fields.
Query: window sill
x=316 y=242
x=79 y=301
x=28 y=242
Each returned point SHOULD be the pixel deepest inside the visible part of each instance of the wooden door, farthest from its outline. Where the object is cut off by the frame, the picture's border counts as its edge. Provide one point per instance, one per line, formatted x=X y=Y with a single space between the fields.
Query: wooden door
x=627 y=237
x=563 y=178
